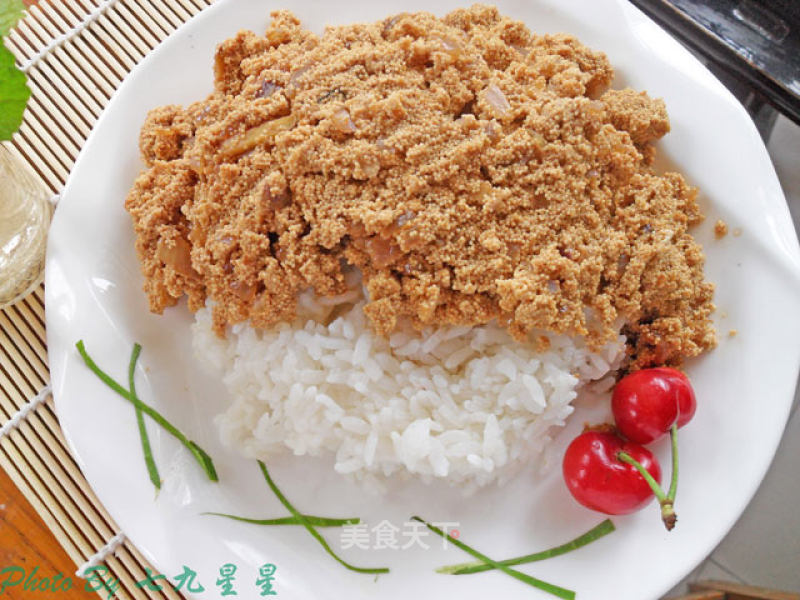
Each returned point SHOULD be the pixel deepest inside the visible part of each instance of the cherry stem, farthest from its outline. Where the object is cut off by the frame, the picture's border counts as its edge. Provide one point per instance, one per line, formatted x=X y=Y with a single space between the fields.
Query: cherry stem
x=667 y=511
x=659 y=493
x=673 y=484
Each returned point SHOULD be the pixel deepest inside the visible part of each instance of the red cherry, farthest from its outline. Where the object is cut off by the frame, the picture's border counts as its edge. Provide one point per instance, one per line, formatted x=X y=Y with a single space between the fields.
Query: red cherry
x=647 y=403
x=599 y=480
x=687 y=403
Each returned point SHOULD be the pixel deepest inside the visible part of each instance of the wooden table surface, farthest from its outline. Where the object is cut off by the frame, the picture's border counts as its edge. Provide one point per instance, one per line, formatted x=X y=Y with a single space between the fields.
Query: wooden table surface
x=26 y=542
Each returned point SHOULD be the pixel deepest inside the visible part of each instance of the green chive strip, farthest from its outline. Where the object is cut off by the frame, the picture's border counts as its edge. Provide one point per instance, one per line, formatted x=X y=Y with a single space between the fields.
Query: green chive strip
x=532 y=581
x=200 y=455
x=310 y=528
x=312 y=520
x=152 y=469
x=593 y=534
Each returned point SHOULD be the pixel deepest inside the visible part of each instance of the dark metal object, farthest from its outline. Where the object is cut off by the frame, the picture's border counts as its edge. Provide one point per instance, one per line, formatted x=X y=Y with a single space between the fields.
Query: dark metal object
x=753 y=46
x=761 y=111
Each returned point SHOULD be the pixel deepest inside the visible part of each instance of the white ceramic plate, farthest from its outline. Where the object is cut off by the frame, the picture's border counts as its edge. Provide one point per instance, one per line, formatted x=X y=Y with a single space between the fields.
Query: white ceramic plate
x=744 y=387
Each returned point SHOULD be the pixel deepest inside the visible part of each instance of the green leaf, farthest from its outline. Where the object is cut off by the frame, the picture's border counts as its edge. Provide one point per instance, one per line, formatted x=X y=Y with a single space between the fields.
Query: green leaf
x=14 y=94
x=10 y=12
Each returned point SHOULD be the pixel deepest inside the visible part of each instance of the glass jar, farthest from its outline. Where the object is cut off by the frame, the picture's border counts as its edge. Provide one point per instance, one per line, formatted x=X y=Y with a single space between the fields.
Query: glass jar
x=25 y=212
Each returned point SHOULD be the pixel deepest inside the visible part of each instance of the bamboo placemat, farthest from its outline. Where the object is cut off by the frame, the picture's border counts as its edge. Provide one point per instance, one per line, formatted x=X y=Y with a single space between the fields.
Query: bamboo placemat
x=70 y=85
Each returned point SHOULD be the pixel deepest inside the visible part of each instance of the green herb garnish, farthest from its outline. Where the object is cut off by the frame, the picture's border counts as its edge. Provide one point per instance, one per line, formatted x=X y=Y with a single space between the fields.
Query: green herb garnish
x=593 y=534
x=532 y=581
x=149 y=461
x=10 y=12
x=311 y=519
x=200 y=455
x=14 y=92
x=310 y=528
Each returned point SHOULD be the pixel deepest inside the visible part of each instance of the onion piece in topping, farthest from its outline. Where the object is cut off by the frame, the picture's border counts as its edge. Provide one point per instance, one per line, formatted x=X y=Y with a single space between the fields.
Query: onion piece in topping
x=296 y=75
x=492 y=130
x=497 y=99
x=278 y=202
x=341 y=118
x=177 y=256
x=382 y=252
x=244 y=291
x=405 y=218
x=392 y=21
x=255 y=136
x=267 y=89
x=452 y=47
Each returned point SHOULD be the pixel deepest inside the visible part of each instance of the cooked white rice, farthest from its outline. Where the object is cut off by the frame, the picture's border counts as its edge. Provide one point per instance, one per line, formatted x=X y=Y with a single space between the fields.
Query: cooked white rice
x=465 y=404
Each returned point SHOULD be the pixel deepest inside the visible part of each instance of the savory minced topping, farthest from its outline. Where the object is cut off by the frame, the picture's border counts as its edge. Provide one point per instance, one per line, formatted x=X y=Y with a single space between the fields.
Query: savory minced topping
x=471 y=170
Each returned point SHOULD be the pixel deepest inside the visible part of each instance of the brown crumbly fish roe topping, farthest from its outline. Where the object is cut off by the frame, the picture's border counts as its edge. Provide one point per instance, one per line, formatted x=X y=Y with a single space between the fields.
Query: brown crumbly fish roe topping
x=471 y=170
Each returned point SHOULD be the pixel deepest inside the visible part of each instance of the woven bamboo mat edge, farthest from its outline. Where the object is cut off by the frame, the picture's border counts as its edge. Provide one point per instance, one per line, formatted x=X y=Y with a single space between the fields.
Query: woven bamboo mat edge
x=70 y=86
